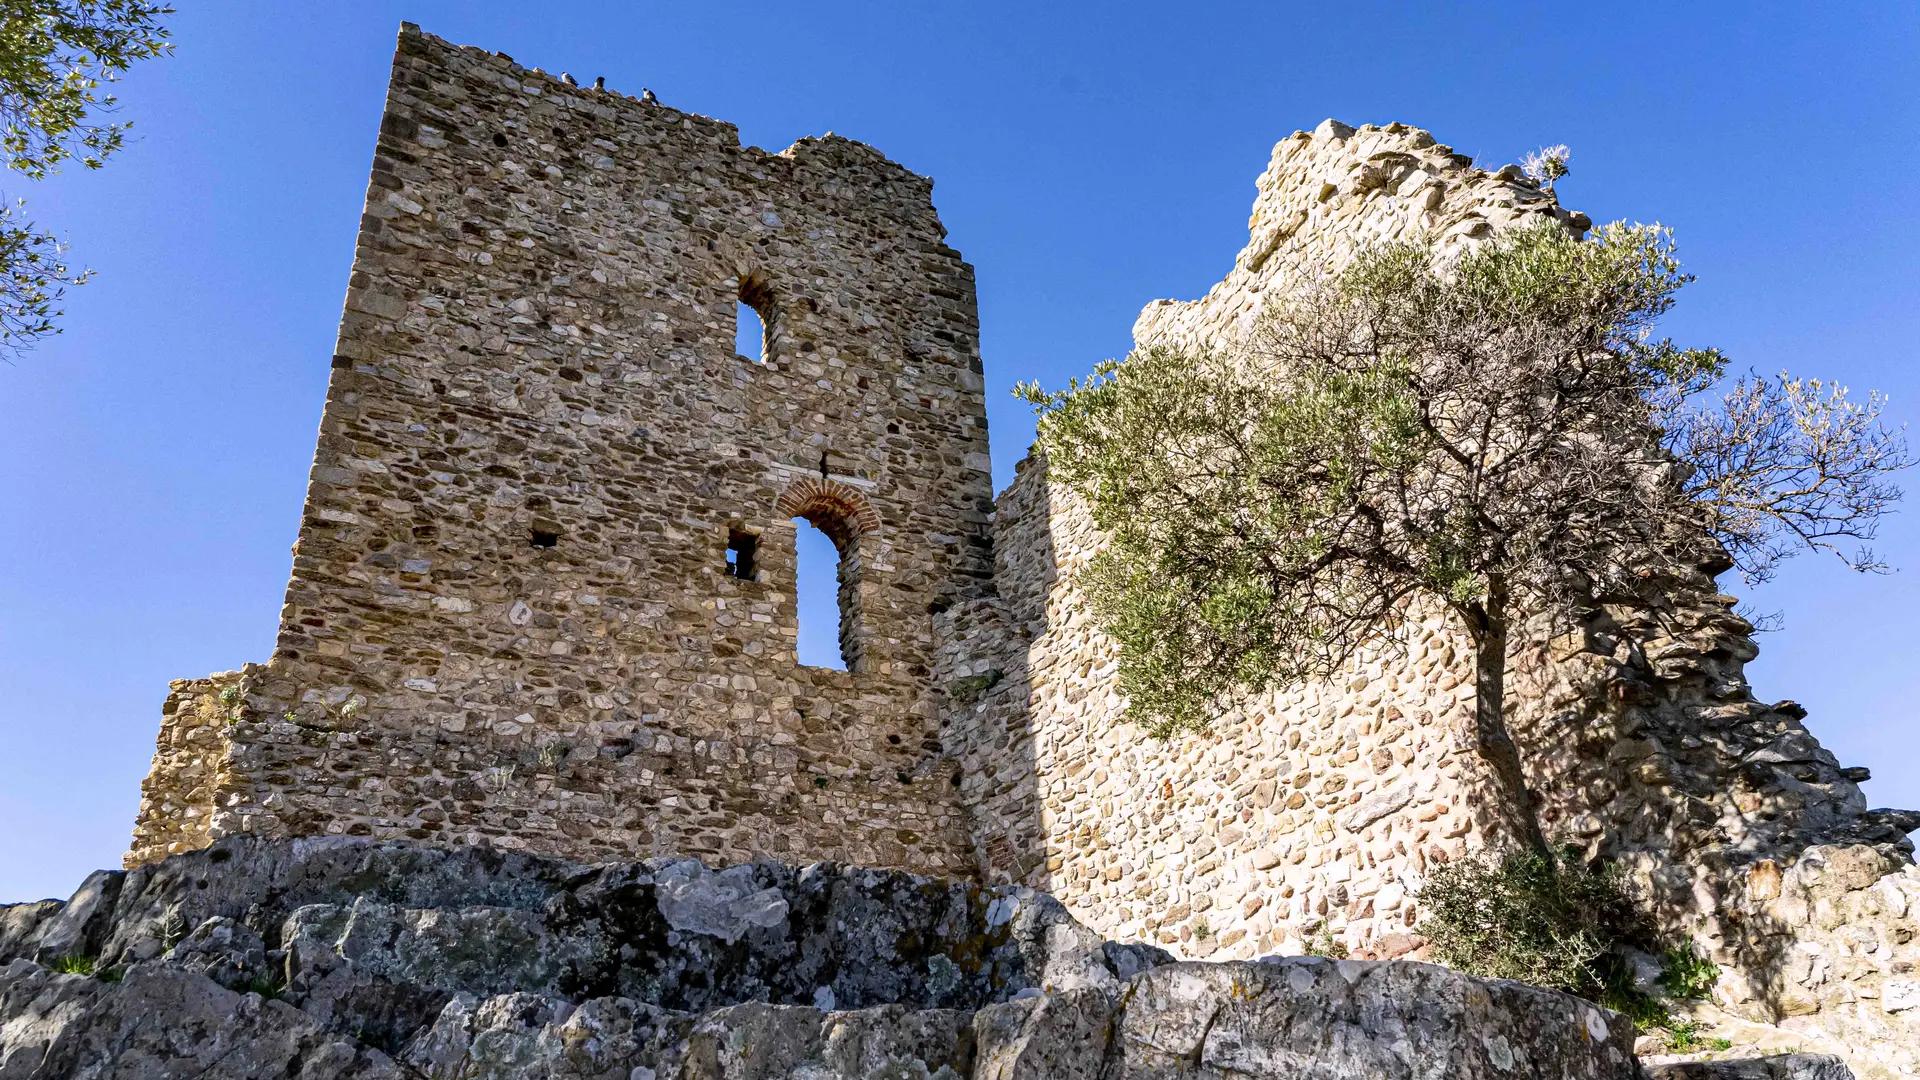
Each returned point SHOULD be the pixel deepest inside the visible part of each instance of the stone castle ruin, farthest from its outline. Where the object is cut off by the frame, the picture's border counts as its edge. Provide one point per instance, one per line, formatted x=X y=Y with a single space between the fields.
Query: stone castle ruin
x=543 y=597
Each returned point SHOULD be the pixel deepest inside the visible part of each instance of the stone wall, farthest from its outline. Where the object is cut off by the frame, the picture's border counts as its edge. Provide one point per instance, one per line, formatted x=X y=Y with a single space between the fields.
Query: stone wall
x=1315 y=812
x=543 y=595
x=511 y=616
x=189 y=766
x=1310 y=812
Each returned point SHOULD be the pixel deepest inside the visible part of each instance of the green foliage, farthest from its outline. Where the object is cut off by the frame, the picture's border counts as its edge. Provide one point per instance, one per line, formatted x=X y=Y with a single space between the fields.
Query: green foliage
x=72 y=965
x=33 y=276
x=272 y=988
x=1496 y=433
x=173 y=928
x=1550 y=919
x=1544 y=918
x=1323 y=943
x=1687 y=975
x=1547 y=164
x=1178 y=452
x=1782 y=465
x=1408 y=429
x=234 y=702
x=1683 y=1037
x=55 y=57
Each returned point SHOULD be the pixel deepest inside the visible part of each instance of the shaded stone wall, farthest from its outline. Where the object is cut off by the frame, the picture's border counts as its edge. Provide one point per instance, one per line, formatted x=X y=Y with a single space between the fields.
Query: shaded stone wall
x=511 y=616
x=1317 y=811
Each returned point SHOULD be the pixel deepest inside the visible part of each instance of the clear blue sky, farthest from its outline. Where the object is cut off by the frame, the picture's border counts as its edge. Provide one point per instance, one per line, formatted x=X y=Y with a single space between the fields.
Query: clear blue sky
x=1088 y=158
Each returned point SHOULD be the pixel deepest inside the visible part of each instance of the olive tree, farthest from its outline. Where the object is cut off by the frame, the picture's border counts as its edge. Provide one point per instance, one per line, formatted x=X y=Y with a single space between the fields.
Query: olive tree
x=1500 y=433
x=55 y=58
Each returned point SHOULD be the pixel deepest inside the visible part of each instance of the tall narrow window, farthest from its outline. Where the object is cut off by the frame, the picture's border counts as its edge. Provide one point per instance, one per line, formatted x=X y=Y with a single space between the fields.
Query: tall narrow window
x=753 y=330
x=820 y=580
x=750 y=340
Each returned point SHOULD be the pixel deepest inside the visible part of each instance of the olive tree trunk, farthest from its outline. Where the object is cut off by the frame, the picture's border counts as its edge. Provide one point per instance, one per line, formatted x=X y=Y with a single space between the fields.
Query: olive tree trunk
x=1487 y=627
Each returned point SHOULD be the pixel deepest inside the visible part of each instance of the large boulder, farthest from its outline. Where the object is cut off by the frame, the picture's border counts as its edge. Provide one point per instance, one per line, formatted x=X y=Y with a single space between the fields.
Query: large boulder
x=344 y=958
x=163 y=1022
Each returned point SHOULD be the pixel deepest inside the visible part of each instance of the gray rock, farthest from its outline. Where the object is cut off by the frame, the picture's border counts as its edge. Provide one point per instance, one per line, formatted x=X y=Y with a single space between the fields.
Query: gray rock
x=726 y=905
x=1374 y=807
x=161 y=1023
x=78 y=928
x=755 y=1041
x=471 y=965
x=1775 y=1067
x=525 y=1035
x=21 y=925
x=1054 y=1037
x=1307 y=1016
x=668 y=932
x=225 y=951
x=893 y=1041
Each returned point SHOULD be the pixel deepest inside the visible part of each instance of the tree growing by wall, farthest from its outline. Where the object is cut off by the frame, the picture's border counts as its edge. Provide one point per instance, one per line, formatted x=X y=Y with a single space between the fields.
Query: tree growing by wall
x=1501 y=435
x=55 y=57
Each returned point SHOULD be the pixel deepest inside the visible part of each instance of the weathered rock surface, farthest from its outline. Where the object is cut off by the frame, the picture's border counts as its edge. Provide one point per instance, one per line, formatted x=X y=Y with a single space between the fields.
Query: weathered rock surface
x=338 y=958
x=1777 y=1067
x=162 y=1022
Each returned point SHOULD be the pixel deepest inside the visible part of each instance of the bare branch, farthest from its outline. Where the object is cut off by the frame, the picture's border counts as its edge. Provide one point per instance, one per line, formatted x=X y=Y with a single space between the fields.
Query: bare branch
x=1788 y=464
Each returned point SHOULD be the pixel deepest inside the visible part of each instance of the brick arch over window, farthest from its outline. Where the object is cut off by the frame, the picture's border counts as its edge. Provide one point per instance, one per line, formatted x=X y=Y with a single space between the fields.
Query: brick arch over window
x=847 y=518
x=837 y=509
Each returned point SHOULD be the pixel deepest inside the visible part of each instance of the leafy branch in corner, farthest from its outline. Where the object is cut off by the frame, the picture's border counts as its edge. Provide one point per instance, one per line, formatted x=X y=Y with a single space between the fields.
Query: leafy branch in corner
x=56 y=58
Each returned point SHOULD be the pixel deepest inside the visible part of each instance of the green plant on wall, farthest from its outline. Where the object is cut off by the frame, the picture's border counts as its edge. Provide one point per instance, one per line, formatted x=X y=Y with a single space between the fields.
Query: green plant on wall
x=1321 y=942
x=1555 y=919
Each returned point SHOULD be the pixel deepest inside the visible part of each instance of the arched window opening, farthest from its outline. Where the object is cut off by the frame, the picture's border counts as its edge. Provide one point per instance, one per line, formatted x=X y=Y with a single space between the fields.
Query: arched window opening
x=826 y=588
x=835 y=531
x=753 y=325
x=750 y=340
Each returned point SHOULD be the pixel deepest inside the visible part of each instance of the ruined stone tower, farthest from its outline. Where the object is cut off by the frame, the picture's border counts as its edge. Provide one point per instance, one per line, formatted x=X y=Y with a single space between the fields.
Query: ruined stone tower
x=544 y=586
x=543 y=596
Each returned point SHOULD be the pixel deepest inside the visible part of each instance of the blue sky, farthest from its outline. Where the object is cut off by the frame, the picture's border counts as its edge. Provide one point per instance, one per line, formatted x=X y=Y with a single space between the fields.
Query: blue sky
x=1088 y=158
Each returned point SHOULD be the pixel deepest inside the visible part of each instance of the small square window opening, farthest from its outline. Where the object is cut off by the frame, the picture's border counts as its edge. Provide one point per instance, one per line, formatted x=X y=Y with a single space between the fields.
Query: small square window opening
x=741 y=548
x=543 y=539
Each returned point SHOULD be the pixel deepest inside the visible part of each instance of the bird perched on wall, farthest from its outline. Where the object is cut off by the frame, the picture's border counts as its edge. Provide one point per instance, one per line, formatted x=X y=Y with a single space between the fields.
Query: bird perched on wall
x=599 y=82
x=646 y=95
x=568 y=79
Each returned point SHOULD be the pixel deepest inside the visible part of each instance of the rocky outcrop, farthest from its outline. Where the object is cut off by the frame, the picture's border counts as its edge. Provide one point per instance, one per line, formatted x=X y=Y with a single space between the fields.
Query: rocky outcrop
x=347 y=958
x=1779 y=1067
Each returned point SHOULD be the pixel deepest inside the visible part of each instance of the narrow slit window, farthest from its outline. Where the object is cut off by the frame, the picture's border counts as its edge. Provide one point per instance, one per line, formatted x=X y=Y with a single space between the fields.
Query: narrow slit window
x=754 y=324
x=821 y=592
x=742 y=547
x=750 y=341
